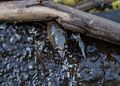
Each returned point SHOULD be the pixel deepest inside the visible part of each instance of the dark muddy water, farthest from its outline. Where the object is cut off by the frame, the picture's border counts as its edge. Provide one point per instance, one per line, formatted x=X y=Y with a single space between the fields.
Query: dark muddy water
x=27 y=59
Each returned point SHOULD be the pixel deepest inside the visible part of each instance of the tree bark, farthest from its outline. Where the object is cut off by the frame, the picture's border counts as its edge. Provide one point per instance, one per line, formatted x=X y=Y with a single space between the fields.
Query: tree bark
x=70 y=18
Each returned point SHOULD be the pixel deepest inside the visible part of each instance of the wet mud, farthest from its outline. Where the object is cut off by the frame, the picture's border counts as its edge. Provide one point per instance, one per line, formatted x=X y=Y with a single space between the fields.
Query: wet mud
x=28 y=59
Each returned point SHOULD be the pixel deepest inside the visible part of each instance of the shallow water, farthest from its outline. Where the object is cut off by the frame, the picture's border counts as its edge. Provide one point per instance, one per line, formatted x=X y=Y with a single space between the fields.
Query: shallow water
x=27 y=59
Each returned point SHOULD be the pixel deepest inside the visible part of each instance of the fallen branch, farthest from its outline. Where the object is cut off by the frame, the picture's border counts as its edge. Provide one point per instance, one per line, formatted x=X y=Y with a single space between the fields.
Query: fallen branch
x=69 y=18
x=19 y=3
x=94 y=26
x=87 y=5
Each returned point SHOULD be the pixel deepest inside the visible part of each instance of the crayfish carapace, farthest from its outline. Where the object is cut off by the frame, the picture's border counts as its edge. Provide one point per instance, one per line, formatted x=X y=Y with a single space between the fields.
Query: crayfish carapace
x=58 y=38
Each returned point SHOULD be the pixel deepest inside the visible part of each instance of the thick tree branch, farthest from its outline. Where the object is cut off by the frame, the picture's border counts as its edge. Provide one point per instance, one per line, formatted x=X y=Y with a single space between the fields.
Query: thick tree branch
x=68 y=17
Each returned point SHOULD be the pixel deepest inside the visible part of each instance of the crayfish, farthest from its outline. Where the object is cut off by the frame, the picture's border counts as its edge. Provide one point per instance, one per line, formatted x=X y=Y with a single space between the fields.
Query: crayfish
x=58 y=38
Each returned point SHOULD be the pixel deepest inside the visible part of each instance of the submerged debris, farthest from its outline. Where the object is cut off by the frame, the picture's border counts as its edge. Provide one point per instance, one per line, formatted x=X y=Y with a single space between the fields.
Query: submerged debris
x=81 y=43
